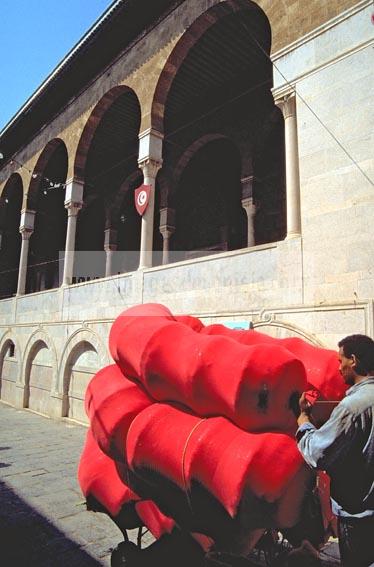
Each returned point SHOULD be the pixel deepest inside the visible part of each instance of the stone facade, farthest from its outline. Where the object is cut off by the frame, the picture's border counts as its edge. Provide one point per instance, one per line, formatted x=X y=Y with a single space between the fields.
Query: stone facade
x=316 y=283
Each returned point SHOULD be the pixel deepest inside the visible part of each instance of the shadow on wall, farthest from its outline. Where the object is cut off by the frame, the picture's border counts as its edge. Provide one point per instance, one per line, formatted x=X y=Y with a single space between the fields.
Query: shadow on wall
x=28 y=538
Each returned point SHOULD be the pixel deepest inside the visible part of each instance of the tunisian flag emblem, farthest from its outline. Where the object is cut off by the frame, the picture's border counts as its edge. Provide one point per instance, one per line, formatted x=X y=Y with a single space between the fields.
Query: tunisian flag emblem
x=142 y=194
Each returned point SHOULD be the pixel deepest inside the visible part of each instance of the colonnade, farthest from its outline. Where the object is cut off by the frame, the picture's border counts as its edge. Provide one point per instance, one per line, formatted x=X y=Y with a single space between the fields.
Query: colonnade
x=286 y=102
x=150 y=162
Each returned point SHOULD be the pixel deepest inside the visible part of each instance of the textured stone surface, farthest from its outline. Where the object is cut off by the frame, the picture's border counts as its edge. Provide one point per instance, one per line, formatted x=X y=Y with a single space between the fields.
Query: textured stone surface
x=43 y=521
x=43 y=518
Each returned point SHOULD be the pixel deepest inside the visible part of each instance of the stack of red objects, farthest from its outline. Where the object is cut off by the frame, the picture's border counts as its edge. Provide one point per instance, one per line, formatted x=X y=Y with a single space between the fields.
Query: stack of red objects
x=195 y=425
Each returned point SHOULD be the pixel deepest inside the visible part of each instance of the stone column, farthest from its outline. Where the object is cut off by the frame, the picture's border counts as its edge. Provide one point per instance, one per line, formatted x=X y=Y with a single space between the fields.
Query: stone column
x=167 y=229
x=250 y=209
x=73 y=204
x=26 y=229
x=288 y=106
x=110 y=246
x=150 y=161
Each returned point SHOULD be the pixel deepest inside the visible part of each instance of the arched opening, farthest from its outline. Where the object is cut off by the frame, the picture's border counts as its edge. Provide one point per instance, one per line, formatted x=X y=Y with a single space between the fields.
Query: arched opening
x=10 y=237
x=9 y=369
x=222 y=86
x=127 y=222
x=209 y=215
x=269 y=186
x=82 y=363
x=38 y=378
x=112 y=138
x=46 y=198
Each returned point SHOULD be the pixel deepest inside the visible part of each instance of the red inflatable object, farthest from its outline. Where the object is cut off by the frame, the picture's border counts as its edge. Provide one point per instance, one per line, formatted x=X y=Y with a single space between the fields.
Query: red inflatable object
x=193 y=322
x=198 y=421
x=231 y=464
x=152 y=315
x=151 y=517
x=257 y=387
x=111 y=404
x=321 y=365
x=98 y=477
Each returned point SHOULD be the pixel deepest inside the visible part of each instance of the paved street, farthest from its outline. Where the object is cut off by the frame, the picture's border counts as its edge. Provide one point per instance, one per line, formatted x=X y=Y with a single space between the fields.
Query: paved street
x=43 y=520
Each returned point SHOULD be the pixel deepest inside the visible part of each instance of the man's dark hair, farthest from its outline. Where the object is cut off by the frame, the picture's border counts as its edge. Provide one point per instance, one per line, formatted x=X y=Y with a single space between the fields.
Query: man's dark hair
x=363 y=349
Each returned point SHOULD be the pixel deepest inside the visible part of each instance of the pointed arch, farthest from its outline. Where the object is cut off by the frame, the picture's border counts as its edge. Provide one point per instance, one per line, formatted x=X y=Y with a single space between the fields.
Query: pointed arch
x=46 y=196
x=92 y=124
x=10 y=238
x=10 y=366
x=39 y=177
x=82 y=335
x=72 y=378
x=191 y=37
x=37 y=376
x=107 y=154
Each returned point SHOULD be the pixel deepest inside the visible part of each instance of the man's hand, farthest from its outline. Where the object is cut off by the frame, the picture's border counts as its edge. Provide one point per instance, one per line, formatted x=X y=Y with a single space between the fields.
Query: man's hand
x=304 y=405
x=305 y=410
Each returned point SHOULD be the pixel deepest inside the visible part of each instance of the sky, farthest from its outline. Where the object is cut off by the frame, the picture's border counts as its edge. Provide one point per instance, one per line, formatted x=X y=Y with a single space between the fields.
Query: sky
x=35 y=36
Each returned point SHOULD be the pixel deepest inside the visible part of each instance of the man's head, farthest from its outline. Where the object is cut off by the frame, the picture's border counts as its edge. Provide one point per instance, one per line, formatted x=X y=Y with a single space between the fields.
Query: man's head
x=356 y=355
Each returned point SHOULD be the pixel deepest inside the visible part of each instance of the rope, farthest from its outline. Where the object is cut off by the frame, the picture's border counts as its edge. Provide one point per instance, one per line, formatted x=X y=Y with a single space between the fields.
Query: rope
x=185 y=484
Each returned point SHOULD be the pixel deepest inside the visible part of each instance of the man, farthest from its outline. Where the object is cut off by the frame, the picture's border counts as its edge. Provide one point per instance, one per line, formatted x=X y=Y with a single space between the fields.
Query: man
x=344 y=448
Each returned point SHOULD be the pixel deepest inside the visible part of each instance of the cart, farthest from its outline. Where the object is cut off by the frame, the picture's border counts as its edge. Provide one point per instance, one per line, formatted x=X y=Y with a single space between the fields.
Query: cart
x=276 y=548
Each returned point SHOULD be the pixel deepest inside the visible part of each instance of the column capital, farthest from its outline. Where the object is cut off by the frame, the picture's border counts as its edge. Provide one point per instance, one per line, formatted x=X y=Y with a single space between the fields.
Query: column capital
x=73 y=208
x=110 y=247
x=285 y=99
x=167 y=230
x=150 y=167
x=25 y=233
x=248 y=205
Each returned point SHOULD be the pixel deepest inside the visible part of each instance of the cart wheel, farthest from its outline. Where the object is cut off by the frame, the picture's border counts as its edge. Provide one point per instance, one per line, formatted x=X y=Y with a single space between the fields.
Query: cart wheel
x=126 y=554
